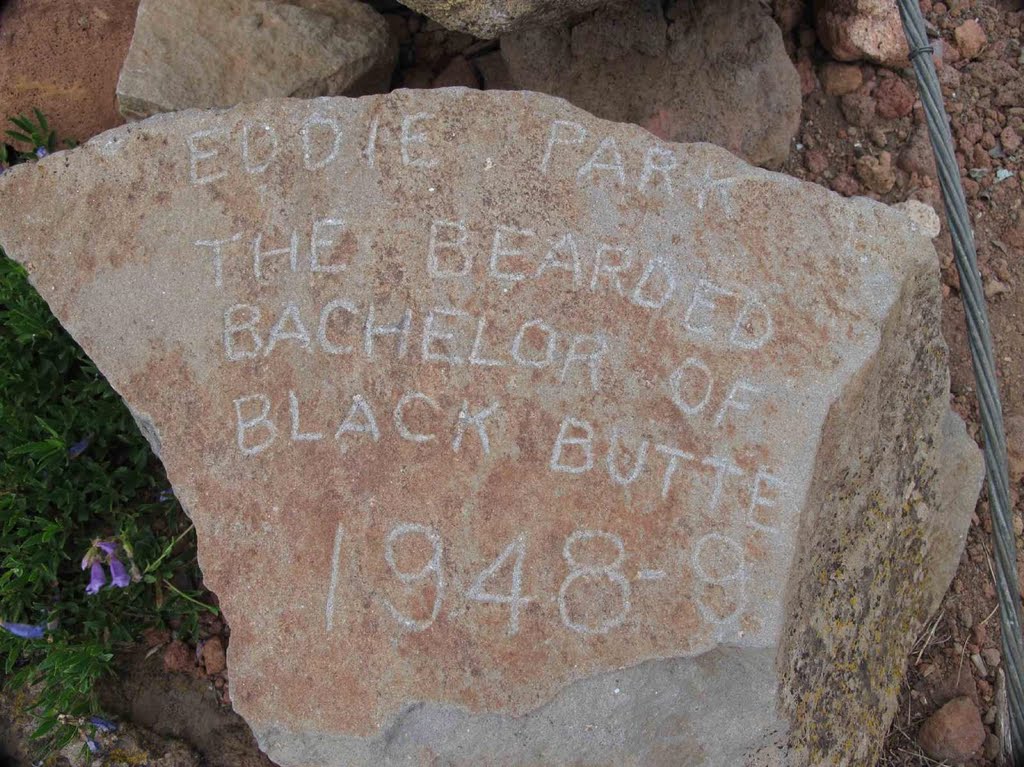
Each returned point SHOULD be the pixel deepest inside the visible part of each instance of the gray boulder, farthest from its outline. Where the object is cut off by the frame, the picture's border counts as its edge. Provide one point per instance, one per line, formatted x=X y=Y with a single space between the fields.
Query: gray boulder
x=717 y=72
x=189 y=54
x=490 y=18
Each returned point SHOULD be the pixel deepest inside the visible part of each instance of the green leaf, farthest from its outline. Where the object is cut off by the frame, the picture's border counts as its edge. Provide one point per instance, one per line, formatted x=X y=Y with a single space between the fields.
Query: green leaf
x=47 y=428
x=45 y=728
x=22 y=122
x=41 y=119
x=67 y=735
x=42 y=450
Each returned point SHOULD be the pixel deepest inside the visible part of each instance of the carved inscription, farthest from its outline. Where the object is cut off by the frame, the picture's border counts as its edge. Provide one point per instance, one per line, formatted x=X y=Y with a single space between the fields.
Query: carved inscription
x=486 y=257
x=541 y=429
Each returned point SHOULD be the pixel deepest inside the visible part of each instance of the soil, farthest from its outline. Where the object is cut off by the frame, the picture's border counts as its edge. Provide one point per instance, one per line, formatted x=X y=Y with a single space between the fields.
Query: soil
x=870 y=141
x=183 y=704
x=63 y=57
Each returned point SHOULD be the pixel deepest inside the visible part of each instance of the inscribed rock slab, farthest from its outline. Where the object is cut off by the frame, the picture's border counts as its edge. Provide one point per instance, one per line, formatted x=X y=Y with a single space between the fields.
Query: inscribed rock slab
x=513 y=436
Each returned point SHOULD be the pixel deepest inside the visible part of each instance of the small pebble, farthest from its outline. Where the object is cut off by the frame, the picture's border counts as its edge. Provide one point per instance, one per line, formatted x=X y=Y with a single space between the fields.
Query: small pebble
x=954 y=732
x=970 y=38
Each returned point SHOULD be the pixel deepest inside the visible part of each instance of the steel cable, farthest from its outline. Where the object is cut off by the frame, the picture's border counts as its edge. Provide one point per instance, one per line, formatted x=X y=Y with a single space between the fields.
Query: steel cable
x=979 y=338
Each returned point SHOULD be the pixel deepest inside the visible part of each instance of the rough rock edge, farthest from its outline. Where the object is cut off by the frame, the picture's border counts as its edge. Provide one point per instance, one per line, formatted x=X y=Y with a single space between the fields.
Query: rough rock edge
x=147 y=427
x=425 y=731
x=839 y=592
x=374 y=72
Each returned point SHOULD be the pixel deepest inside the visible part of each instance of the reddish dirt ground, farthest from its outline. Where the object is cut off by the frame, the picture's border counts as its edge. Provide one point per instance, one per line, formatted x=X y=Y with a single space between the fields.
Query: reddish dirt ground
x=63 y=57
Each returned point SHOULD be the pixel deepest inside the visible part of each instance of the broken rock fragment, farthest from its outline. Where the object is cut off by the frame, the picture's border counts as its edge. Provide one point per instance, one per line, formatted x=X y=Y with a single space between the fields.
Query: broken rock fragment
x=718 y=72
x=217 y=53
x=513 y=436
x=862 y=29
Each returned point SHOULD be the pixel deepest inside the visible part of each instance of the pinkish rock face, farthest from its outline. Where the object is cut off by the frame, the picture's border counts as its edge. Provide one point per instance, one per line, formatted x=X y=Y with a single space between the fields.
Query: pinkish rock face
x=862 y=29
x=513 y=436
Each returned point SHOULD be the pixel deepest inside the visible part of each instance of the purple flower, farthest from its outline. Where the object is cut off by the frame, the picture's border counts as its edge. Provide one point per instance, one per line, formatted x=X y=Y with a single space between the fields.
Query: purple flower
x=103 y=725
x=24 y=630
x=105 y=552
x=41 y=152
x=118 y=573
x=94 y=747
x=78 y=448
x=96 y=578
x=109 y=547
x=166 y=495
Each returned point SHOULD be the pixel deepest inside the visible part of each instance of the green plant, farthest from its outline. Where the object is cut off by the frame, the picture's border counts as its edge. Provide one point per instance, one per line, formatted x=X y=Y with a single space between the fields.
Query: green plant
x=36 y=133
x=76 y=480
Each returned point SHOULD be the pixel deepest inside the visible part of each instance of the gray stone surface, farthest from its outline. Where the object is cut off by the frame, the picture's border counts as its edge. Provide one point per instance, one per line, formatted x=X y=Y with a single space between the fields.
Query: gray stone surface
x=659 y=469
x=217 y=53
x=718 y=72
x=718 y=708
x=490 y=18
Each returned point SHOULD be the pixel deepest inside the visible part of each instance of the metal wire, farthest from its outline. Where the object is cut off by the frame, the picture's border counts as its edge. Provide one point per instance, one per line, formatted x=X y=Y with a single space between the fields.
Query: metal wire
x=979 y=339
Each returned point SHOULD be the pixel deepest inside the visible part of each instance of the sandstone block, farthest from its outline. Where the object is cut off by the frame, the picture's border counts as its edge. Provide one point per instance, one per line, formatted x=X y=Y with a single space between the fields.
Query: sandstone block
x=632 y=64
x=513 y=436
x=840 y=79
x=214 y=657
x=788 y=13
x=923 y=217
x=894 y=98
x=970 y=38
x=189 y=54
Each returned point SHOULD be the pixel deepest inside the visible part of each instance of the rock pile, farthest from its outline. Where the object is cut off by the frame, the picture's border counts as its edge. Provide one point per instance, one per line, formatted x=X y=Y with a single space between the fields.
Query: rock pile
x=503 y=395
x=491 y=18
x=862 y=29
